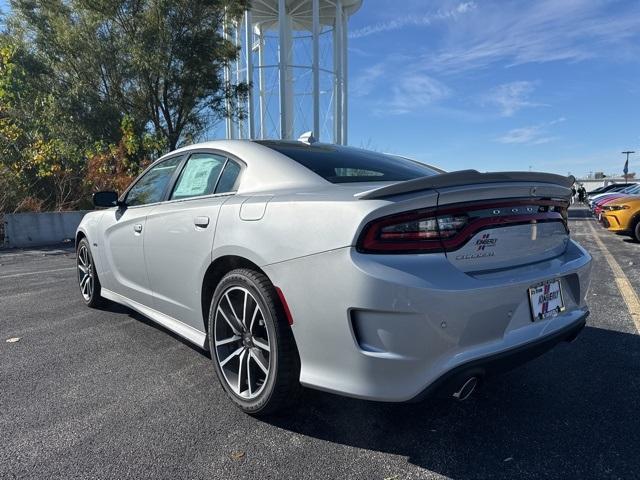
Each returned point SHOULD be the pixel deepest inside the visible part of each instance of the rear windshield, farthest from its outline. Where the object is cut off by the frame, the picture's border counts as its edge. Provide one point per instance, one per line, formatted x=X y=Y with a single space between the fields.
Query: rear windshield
x=345 y=164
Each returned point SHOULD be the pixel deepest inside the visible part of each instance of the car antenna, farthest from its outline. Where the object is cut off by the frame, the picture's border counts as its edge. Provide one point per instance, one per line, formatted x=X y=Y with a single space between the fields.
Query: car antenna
x=307 y=138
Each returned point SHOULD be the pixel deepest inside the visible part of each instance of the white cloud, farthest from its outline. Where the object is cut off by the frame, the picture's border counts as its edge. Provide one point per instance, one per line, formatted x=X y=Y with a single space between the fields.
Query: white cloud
x=465 y=7
x=474 y=35
x=534 y=32
x=363 y=83
x=397 y=94
x=510 y=97
x=531 y=135
x=414 y=92
x=419 y=20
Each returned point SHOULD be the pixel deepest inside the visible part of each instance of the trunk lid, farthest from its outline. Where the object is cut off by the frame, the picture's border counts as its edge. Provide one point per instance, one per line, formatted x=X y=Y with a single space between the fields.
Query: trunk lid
x=509 y=223
x=512 y=218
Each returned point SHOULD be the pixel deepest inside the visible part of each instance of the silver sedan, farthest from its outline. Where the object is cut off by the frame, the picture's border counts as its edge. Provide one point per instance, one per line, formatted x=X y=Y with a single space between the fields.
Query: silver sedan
x=341 y=269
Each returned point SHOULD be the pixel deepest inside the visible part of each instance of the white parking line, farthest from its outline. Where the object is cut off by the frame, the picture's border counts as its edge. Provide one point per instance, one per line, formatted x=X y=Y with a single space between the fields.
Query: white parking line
x=629 y=295
x=14 y=275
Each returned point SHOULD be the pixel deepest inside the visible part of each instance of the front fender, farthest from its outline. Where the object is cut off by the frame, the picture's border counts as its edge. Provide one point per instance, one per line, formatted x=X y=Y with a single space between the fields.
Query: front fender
x=90 y=228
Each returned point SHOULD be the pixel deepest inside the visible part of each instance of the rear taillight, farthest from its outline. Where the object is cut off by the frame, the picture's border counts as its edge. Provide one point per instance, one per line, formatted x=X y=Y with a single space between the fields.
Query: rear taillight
x=424 y=231
x=415 y=231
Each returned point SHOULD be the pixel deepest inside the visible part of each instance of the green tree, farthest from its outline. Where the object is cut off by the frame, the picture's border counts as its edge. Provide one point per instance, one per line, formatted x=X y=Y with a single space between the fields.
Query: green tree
x=105 y=85
x=157 y=61
x=41 y=155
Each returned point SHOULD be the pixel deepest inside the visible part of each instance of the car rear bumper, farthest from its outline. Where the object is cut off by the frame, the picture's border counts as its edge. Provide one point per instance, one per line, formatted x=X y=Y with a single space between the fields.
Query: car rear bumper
x=387 y=327
x=501 y=362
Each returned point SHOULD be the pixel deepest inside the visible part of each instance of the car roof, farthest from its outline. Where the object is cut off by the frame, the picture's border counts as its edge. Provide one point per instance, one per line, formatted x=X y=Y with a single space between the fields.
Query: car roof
x=266 y=169
x=269 y=170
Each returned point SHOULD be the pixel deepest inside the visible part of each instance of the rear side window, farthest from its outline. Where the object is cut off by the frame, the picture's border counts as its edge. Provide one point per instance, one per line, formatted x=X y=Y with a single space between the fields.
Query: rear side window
x=199 y=176
x=345 y=164
x=229 y=178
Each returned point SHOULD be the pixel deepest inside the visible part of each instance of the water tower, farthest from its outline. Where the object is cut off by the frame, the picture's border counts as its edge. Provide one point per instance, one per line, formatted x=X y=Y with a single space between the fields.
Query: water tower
x=294 y=52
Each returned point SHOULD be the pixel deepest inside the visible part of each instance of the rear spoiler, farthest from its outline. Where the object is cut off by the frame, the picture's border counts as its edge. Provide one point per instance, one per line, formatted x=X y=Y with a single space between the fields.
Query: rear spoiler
x=464 y=177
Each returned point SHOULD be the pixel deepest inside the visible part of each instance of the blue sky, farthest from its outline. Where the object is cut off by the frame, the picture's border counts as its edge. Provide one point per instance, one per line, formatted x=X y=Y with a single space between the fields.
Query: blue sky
x=549 y=84
x=553 y=85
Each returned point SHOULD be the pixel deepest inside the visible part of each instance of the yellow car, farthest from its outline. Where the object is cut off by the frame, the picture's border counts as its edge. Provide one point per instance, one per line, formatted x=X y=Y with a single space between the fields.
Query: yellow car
x=623 y=216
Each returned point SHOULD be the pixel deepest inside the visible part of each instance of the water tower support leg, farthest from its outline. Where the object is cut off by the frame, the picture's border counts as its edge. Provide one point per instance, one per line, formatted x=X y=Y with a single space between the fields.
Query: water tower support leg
x=316 y=67
x=261 y=75
x=248 y=49
x=237 y=133
x=345 y=84
x=338 y=64
x=286 y=81
x=227 y=78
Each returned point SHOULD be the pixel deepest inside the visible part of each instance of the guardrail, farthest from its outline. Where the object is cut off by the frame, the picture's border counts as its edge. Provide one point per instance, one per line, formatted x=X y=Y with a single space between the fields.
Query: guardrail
x=40 y=229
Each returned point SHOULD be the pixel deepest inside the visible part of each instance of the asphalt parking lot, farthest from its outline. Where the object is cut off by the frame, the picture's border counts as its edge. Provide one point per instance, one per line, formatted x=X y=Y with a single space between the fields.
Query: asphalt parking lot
x=108 y=394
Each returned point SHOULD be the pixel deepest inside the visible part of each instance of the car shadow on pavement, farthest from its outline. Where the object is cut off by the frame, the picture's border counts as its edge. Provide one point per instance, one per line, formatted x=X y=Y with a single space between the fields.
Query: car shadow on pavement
x=113 y=307
x=572 y=413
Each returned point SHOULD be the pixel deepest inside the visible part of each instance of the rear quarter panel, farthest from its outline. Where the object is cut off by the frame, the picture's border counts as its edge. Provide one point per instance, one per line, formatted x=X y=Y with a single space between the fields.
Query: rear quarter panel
x=293 y=225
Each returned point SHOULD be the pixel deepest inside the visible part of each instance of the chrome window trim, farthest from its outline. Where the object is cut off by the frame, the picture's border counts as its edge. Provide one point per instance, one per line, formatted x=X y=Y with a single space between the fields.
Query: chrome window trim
x=187 y=154
x=123 y=197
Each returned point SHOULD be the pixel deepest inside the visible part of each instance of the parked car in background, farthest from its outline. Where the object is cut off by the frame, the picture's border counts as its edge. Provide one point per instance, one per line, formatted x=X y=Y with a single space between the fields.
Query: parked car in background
x=623 y=216
x=607 y=188
x=599 y=204
x=341 y=269
x=591 y=198
x=606 y=198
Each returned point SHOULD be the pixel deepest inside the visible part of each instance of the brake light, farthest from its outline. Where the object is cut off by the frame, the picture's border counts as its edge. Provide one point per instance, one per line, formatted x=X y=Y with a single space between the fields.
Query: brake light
x=415 y=231
x=424 y=231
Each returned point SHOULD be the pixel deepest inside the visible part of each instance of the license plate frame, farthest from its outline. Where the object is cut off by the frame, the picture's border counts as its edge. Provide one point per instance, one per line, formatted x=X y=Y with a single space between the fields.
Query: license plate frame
x=555 y=305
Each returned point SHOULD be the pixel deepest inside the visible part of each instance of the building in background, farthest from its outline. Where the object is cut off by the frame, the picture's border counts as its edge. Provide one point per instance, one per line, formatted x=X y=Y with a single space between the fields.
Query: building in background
x=599 y=179
x=294 y=53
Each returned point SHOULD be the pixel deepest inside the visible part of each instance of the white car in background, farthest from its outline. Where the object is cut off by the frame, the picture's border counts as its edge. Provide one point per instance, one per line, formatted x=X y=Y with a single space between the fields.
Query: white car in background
x=630 y=190
x=340 y=269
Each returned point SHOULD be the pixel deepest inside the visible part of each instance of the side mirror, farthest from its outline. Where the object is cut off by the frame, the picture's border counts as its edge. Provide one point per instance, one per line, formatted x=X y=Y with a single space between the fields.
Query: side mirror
x=105 y=199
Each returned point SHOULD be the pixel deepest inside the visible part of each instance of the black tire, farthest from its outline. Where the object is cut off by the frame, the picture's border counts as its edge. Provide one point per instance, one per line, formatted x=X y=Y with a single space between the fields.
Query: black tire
x=91 y=297
x=635 y=229
x=281 y=385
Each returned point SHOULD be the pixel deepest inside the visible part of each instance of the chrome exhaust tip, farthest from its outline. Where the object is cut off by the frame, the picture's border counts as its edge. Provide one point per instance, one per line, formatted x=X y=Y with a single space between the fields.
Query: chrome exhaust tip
x=466 y=389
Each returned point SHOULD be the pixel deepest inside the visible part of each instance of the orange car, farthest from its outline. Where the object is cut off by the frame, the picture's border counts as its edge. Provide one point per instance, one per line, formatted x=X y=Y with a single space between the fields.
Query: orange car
x=623 y=216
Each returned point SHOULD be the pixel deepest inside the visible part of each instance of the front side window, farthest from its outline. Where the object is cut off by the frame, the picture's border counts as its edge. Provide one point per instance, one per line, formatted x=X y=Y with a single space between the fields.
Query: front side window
x=152 y=186
x=199 y=176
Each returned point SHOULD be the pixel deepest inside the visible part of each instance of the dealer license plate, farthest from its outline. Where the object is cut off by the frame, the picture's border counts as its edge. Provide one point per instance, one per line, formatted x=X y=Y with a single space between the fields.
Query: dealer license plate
x=546 y=300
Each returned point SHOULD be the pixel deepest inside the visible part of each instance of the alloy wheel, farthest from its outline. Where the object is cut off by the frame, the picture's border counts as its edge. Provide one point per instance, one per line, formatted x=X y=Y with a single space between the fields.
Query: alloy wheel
x=242 y=344
x=85 y=272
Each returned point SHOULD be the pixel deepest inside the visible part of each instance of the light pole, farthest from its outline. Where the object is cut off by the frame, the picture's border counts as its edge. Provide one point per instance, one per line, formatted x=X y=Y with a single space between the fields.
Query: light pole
x=626 y=164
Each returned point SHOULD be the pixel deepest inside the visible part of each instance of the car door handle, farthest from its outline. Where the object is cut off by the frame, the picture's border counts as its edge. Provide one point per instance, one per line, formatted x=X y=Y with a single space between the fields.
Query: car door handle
x=137 y=228
x=202 y=222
